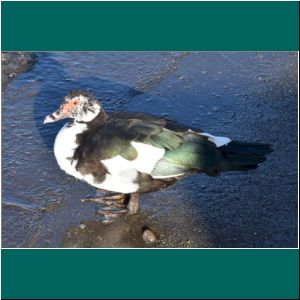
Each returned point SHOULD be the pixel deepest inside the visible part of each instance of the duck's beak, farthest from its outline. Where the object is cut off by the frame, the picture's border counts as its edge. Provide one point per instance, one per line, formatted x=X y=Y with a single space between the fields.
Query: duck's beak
x=57 y=115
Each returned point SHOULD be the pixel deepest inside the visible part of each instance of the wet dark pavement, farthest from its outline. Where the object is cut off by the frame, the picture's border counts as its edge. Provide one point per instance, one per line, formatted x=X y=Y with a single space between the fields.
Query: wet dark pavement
x=246 y=96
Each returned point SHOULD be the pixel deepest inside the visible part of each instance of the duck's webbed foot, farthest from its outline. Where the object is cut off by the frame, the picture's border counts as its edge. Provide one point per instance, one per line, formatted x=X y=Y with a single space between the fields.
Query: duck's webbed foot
x=107 y=199
x=115 y=206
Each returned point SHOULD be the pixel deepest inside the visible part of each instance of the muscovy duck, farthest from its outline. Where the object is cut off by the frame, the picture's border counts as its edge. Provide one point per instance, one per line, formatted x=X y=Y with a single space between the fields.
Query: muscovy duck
x=127 y=153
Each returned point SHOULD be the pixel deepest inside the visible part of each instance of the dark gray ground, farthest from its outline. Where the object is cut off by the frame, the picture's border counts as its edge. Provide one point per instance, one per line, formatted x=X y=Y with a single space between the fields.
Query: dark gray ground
x=243 y=95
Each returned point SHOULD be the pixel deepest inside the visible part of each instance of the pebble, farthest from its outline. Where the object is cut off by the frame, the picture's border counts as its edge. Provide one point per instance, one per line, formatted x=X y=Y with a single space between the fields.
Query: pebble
x=149 y=236
x=82 y=226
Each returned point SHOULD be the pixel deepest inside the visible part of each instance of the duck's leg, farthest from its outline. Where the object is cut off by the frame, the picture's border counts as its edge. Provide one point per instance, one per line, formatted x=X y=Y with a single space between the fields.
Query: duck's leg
x=133 y=204
x=116 y=206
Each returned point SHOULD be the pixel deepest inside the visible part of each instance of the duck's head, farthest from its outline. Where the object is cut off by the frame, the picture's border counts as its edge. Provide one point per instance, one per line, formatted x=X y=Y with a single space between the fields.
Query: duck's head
x=79 y=105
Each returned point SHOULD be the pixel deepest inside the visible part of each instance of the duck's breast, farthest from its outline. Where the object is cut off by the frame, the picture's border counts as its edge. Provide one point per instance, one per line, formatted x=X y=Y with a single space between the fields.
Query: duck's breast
x=65 y=146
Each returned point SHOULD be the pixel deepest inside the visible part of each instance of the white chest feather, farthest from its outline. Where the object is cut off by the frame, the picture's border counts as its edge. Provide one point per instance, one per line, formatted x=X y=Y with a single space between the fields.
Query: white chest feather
x=65 y=145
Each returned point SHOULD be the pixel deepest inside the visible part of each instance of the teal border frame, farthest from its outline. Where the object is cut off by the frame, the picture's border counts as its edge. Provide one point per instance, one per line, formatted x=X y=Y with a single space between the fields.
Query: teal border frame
x=155 y=273
x=150 y=274
x=150 y=26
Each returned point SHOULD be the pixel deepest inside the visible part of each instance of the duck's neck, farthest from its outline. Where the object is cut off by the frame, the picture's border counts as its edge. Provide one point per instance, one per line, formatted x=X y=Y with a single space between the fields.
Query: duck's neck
x=89 y=127
x=97 y=121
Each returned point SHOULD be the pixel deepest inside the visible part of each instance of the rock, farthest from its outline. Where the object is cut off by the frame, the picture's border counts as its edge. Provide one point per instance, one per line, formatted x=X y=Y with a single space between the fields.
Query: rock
x=82 y=226
x=149 y=236
x=14 y=63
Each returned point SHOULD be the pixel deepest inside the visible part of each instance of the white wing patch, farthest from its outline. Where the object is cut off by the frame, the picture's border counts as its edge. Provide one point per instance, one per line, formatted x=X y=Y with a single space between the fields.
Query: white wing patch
x=147 y=157
x=217 y=140
x=123 y=172
x=145 y=162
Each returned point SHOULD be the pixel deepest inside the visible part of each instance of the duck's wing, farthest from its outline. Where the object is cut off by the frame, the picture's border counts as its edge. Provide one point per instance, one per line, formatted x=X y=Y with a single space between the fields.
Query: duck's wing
x=159 y=147
x=115 y=137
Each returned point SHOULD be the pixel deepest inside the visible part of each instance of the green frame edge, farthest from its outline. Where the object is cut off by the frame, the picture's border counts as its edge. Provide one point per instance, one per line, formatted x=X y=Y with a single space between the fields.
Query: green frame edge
x=150 y=274
x=150 y=26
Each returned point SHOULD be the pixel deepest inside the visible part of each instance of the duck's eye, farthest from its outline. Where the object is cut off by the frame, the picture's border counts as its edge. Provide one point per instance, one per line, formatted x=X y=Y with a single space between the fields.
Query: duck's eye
x=75 y=102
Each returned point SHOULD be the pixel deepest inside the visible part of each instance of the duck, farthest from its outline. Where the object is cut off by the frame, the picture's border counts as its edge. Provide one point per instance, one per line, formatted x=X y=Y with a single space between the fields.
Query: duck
x=124 y=154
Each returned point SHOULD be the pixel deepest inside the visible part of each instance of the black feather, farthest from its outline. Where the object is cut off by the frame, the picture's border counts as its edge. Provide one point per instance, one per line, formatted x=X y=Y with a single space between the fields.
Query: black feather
x=243 y=156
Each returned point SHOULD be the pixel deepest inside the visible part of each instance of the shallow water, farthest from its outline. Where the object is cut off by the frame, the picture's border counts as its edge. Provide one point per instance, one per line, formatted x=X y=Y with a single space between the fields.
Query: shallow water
x=233 y=94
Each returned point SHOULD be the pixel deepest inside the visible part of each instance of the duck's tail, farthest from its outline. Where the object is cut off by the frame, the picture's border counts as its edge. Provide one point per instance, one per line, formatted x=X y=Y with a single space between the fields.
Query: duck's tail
x=243 y=156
